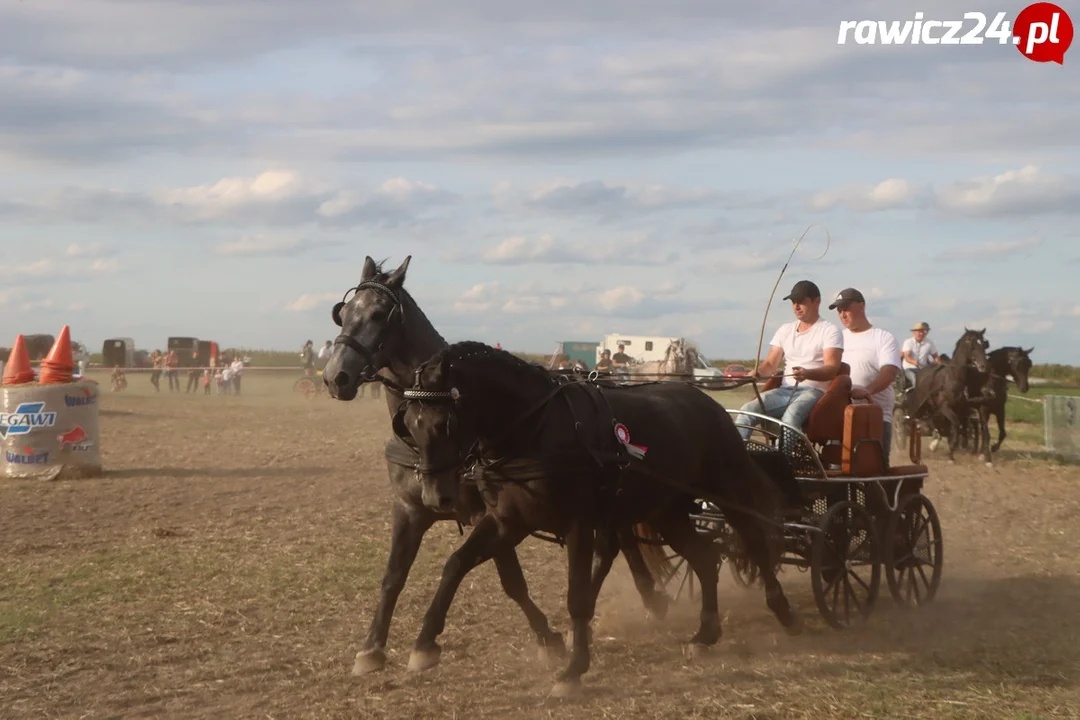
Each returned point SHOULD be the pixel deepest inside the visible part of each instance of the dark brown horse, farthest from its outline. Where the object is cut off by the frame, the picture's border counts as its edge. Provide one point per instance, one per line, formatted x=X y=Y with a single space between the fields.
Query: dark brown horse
x=942 y=395
x=1005 y=362
x=581 y=460
x=384 y=331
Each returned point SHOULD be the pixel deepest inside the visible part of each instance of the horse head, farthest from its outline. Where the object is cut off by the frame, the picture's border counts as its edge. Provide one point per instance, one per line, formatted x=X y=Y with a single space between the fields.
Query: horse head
x=1020 y=366
x=429 y=415
x=971 y=350
x=368 y=321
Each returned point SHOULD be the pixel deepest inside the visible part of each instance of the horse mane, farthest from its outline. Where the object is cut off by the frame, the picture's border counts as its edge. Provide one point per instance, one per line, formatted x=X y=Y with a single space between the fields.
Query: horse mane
x=409 y=306
x=491 y=362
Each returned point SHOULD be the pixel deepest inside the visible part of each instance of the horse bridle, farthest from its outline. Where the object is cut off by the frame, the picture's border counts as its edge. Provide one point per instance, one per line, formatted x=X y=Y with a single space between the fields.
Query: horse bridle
x=368 y=354
x=415 y=394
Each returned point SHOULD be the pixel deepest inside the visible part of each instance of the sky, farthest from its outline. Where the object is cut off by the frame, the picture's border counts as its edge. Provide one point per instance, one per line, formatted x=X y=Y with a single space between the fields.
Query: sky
x=557 y=171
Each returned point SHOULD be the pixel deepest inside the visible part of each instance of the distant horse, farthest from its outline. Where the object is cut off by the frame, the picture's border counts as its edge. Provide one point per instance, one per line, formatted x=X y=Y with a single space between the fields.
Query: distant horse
x=578 y=459
x=941 y=390
x=679 y=359
x=385 y=332
x=1004 y=362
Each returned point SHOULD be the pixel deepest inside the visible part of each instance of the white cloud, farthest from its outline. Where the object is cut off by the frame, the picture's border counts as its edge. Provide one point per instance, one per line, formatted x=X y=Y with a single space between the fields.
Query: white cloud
x=89 y=250
x=990 y=250
x=1026 y=191
x=262 y=245
x=886 y=195
x=311 y=301
x=275 y=197
x=544 y=249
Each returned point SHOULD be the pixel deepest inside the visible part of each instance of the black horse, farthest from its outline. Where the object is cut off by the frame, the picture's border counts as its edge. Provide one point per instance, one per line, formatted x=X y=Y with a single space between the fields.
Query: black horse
x=384 y=331
x=581 y=460
x=942 y=391
x=1004 y=362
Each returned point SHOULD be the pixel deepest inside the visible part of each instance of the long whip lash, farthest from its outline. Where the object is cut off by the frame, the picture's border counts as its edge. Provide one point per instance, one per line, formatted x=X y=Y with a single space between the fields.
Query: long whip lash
x=765 y=319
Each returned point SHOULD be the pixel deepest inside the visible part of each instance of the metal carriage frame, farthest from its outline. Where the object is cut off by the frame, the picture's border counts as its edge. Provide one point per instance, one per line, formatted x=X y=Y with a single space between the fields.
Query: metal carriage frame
x=845 y=529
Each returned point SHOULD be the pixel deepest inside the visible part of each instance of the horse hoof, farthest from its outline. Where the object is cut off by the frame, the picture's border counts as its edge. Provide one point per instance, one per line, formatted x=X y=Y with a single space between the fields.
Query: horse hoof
x=933 y=444
x=421 y=660
x=565 y=689
x=796 y=627
x=369 y=661
x=989 y=463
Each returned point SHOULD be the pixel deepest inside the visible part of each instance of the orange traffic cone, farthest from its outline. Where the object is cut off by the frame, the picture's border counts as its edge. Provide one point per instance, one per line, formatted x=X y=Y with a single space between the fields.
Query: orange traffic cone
x=59 y=364
x=17 y=370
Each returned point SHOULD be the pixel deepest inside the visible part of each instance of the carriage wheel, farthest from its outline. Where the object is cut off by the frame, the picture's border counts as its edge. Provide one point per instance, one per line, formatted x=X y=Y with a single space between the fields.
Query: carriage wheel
x=306 y=386
x=914 y=552
x=845 y=565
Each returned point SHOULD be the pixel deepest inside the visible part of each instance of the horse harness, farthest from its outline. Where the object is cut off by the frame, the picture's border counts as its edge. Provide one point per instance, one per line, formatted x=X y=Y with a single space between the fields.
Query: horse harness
x=368 y=354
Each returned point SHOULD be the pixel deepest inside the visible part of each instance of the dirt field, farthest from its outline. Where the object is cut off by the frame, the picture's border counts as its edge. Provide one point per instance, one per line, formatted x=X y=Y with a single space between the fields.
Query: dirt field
x=228 y=567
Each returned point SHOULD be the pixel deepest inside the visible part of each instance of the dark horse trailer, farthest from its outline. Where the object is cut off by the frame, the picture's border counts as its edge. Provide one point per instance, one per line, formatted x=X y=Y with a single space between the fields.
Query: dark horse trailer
x=208 y=353
x=118 y=352
x=185 y=348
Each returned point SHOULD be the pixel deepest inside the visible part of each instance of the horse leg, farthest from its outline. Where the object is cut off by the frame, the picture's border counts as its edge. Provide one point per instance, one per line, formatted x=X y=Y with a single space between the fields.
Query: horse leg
x=513 y=583
x=656 y=602
x=954 y=430
x=484 y=542
x=703 y=555
x=581 y=602
x=755 y=538
x=408 y=525
x=984 y=435
x=1000 y=416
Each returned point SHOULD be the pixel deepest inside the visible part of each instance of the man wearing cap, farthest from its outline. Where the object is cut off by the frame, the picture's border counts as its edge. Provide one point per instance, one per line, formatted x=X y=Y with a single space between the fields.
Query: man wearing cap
x=873 y=355
x=918 y=352
x=811 y=349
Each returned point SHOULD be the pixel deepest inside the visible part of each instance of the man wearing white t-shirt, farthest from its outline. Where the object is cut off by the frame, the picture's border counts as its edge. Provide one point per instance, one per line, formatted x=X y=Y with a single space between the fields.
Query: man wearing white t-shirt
x=918 y=351
x=874 y=358
x=811 y=349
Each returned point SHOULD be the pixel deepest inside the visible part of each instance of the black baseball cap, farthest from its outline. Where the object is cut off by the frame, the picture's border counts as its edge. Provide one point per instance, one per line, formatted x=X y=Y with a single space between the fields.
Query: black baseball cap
x=845 y=297
x=803 y=290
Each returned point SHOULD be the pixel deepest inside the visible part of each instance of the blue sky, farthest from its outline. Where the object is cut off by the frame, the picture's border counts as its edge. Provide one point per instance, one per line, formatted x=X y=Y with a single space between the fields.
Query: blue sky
x=556 y=172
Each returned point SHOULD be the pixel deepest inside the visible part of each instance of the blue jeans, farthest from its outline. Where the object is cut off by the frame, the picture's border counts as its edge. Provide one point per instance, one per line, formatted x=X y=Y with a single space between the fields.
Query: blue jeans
x=797 y=411
x=911 y=373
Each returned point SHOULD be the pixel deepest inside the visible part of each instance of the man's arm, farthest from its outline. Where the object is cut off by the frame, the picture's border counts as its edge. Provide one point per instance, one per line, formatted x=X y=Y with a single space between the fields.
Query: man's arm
x=772 y=362
x=885 y=378
x=832 y=358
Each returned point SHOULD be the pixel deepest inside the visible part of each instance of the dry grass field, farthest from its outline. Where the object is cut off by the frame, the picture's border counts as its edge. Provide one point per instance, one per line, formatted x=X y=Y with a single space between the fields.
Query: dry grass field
x=228 y=565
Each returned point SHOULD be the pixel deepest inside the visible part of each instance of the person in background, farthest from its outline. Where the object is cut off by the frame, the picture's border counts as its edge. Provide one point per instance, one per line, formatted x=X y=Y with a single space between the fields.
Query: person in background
x=157 y=362
x=206 y=378
x=238 y=372
x=172 y=373
x=193 y=373
x=918 y=352
x=324 y=354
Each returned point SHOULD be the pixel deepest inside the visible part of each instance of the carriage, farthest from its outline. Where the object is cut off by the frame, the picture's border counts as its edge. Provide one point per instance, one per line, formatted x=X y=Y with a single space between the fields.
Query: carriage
x=847 y=518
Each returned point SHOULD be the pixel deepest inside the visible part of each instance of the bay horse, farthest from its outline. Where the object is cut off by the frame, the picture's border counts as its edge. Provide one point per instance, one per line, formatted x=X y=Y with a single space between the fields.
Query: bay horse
x=942 y=390
x=385 y=336
x=581 y=460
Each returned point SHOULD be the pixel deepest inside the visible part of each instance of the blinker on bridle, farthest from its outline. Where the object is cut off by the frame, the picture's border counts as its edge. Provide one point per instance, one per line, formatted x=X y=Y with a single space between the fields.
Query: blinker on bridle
x=352 y=343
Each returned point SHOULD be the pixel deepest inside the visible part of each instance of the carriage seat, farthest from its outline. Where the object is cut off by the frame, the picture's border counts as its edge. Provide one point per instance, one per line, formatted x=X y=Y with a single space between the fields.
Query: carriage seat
x=826 y=422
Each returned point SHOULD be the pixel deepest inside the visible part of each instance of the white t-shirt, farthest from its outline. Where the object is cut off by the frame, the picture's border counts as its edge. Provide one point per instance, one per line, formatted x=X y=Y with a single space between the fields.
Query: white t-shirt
x=807 y=349
x=324 y=352
x=866 y=353
x=921 y=351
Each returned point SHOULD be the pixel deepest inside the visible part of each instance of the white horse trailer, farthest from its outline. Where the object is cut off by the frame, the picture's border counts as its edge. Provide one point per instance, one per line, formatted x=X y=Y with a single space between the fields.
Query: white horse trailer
x=654 y=348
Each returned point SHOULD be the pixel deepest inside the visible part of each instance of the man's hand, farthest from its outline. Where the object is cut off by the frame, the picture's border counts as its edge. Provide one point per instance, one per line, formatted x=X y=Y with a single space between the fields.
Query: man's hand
x=860 y=393
x=798 y=373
